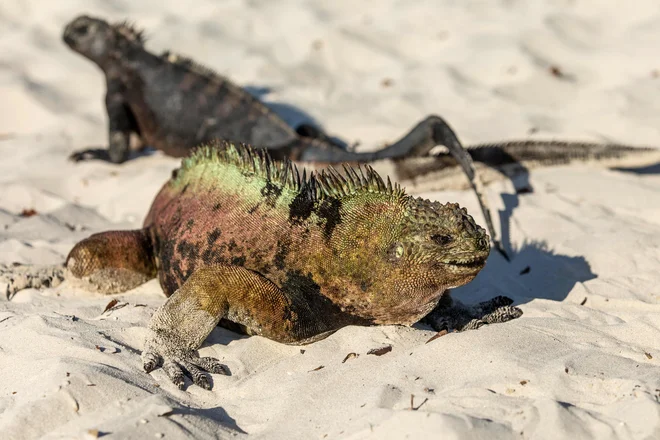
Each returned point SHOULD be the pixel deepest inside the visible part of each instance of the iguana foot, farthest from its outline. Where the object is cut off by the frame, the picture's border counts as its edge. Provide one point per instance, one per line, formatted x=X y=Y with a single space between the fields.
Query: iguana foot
x=90 y=154
x=177 y=361
x=118 y=151
x=120 y=146
x=450 y=315
x=18 y=277
x=499 y=315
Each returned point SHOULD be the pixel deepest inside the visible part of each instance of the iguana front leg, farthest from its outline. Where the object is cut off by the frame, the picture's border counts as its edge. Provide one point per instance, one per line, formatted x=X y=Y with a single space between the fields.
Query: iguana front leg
x=454 y=315
x=180 y=326
x=121 y=123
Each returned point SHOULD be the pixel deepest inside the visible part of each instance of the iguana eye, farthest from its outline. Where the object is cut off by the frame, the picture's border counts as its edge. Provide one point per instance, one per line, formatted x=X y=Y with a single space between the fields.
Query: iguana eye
x=398 y=251
x=81 y=29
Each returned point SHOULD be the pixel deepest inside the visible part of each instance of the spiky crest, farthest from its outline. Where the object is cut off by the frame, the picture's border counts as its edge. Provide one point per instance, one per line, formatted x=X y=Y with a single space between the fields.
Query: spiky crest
x=318 y=186
x=189 y=64
x=202 y=70
x=129 y=31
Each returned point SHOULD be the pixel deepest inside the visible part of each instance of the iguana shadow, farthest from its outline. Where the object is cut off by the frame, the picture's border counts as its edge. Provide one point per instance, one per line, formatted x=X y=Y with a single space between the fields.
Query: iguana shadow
x=218 y=415
x=520 y=180
x=651 y=169
x=535 y=271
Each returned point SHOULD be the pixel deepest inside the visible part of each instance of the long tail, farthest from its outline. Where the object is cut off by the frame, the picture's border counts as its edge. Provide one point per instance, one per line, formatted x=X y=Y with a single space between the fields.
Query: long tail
x=507 y=160
x=540 y=153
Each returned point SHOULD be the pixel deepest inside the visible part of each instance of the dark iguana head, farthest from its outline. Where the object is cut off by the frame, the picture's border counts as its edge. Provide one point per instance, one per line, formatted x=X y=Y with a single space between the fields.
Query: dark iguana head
x=398 y=254
x=96 y=39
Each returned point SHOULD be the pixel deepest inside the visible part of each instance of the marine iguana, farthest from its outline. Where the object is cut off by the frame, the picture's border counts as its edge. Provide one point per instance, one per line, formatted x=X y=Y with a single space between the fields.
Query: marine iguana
x=175 y=104
x=238 y=239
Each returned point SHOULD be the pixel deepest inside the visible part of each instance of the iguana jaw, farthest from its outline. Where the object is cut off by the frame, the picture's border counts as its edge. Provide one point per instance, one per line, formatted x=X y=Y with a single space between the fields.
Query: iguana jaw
x=466 y=264
x=465 y=269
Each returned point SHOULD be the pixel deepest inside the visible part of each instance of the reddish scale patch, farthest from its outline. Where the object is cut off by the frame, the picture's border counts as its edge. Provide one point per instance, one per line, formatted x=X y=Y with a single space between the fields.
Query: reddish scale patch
x=194 y=231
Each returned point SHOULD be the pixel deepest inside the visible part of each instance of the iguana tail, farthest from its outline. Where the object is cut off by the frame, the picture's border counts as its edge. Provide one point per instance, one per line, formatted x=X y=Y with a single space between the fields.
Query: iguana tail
x=541 y=153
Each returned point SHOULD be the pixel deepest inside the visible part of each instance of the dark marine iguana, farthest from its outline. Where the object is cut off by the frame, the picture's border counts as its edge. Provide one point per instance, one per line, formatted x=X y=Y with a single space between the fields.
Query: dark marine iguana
x=238 y=239
x=174 y=104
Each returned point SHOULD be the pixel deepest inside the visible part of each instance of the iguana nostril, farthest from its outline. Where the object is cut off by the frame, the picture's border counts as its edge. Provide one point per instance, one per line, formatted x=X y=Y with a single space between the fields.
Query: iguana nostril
x=442 y=240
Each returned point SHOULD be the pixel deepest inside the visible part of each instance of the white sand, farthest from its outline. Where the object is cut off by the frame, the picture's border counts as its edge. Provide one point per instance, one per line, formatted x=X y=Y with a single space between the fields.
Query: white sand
x=566 y=369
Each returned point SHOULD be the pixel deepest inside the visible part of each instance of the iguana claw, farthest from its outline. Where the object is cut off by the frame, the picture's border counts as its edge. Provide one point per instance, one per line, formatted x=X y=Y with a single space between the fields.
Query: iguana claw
x=184 y=362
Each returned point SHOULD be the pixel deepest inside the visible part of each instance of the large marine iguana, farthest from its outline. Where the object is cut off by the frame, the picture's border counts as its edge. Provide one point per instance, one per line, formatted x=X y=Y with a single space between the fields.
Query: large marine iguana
x=237 y=239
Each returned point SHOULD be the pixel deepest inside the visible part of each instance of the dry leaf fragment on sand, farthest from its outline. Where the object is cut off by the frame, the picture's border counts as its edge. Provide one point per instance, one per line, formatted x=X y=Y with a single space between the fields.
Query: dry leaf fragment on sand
x=350 y=356
x=437 y=335
x=114 y=305
x=110 y=305
x=412 y=403
x=380 y=351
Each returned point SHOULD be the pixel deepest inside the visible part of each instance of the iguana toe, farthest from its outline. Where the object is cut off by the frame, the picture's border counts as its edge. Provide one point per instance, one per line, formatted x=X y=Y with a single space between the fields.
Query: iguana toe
x=174 y=372
x=189 y=364
x=177 y=362
x=474 y=324
x=502 y=314
x=198 y=377
x=151 y=361
x=212 y=365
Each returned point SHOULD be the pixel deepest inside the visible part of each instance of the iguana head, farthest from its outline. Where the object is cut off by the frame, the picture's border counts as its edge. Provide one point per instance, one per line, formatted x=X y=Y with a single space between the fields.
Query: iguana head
x=96 y=39
x=399 y=254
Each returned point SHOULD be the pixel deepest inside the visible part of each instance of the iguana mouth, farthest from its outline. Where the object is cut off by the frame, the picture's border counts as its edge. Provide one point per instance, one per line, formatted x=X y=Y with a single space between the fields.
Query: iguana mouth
x=467 y=264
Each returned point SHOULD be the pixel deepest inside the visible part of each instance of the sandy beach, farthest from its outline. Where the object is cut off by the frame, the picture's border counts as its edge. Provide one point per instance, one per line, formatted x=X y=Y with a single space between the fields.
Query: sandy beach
x=582 y=362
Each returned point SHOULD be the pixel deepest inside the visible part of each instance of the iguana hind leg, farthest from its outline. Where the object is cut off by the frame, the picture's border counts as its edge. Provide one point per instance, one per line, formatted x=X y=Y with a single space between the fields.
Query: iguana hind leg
x=418 y=142
x=113 y=261
x=180 y=326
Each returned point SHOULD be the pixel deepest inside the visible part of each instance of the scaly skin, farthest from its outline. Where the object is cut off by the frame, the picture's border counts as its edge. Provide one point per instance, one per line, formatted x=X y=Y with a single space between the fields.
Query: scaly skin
x=240 y=240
